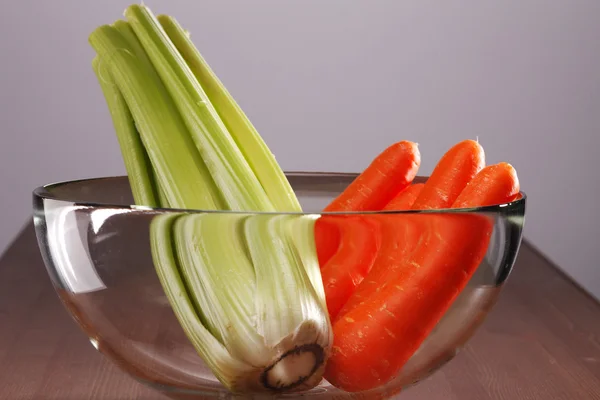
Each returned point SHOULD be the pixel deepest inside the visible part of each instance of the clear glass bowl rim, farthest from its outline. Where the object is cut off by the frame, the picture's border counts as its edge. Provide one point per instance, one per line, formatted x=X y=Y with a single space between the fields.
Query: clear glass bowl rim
x=44 y=192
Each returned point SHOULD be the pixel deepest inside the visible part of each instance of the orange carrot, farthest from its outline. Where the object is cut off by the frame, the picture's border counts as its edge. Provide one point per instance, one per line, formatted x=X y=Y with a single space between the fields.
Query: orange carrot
x=399 y=236
x=327 y=237
x=463 y=160
x=406 y=198
x=375 y=338
x=450 y=176
x=495 y=184
x=407 y=292
x=389 y=173
x=359 y=244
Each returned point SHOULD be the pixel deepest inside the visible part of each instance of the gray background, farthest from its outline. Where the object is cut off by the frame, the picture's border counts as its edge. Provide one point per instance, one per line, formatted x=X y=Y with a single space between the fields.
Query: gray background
x=329 y=84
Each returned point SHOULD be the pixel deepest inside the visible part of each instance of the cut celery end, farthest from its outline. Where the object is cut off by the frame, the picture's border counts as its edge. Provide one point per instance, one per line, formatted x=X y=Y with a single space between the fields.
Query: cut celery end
x=246 y=280
x=281 y=278
x=246 y=289
x=180 y=172
x=256 y=152
x=232 y=174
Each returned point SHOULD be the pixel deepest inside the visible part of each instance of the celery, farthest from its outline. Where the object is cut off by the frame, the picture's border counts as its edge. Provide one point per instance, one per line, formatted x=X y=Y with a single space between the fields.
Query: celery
x=240 y=188
x=221 y=279
x=137 y=163
x=246 y=289
x=228 y=369
x=256 y=152
x=180 y=172
x=251 y=290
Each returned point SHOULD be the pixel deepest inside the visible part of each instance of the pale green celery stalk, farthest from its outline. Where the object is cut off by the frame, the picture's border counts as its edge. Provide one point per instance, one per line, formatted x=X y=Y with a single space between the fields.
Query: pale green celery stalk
x=137 y=163
x=302 y=234
x=162 y=197
x=221 y=280
x=243 y=288
x=245 y=278
x=180 y=172
x=227 y=369
x=256 y=152
x=236 y=181
x=283 y=279
x=129 y=35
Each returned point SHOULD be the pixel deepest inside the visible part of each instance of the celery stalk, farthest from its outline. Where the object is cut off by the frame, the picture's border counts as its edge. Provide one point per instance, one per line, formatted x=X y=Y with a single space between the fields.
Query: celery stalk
x=221 y=278
x=226 y=368
x=180 y=172
x=246 y=289
x=137 y=164
x=235 y=179
x=256 y=152
x=246 y=280
x=127 y=32
x=302 y=231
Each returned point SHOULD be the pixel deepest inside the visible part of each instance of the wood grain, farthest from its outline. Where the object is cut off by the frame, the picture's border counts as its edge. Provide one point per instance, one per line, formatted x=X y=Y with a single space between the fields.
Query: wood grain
x=542 y=341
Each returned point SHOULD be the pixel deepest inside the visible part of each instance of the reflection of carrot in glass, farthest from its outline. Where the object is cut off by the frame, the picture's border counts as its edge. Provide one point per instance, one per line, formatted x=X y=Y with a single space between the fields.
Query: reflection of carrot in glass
x=451 y=175
x=407 y=292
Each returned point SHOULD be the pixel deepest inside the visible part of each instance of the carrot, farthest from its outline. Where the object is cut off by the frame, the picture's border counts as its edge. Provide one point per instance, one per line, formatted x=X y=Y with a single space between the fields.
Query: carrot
x=451 y=175
x=359 y=245
x=375 y=338
x=389 y=173
x=406 y=293
x=327 y=238
x=406 y=198
x=495 y=184
x=347 y=253
x=463 y=160
x=399 y=235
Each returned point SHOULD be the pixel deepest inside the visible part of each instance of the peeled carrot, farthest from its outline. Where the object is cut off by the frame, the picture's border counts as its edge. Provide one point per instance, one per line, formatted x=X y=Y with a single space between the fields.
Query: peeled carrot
x=359 y=245
x=327 y=237
x=399 y=236
x=406 y=293
x=375 y=338
x=389 y=173
x=495 y=184
x=464 y=160
x=406 y=198
x=451 y=175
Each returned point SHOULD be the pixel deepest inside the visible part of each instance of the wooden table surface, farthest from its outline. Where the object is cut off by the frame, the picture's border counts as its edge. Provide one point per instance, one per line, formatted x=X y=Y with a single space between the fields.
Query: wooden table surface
x=542 y=341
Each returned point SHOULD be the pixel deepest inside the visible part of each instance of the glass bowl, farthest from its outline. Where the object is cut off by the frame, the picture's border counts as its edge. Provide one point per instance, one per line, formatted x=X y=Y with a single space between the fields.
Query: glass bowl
x=97 y=251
